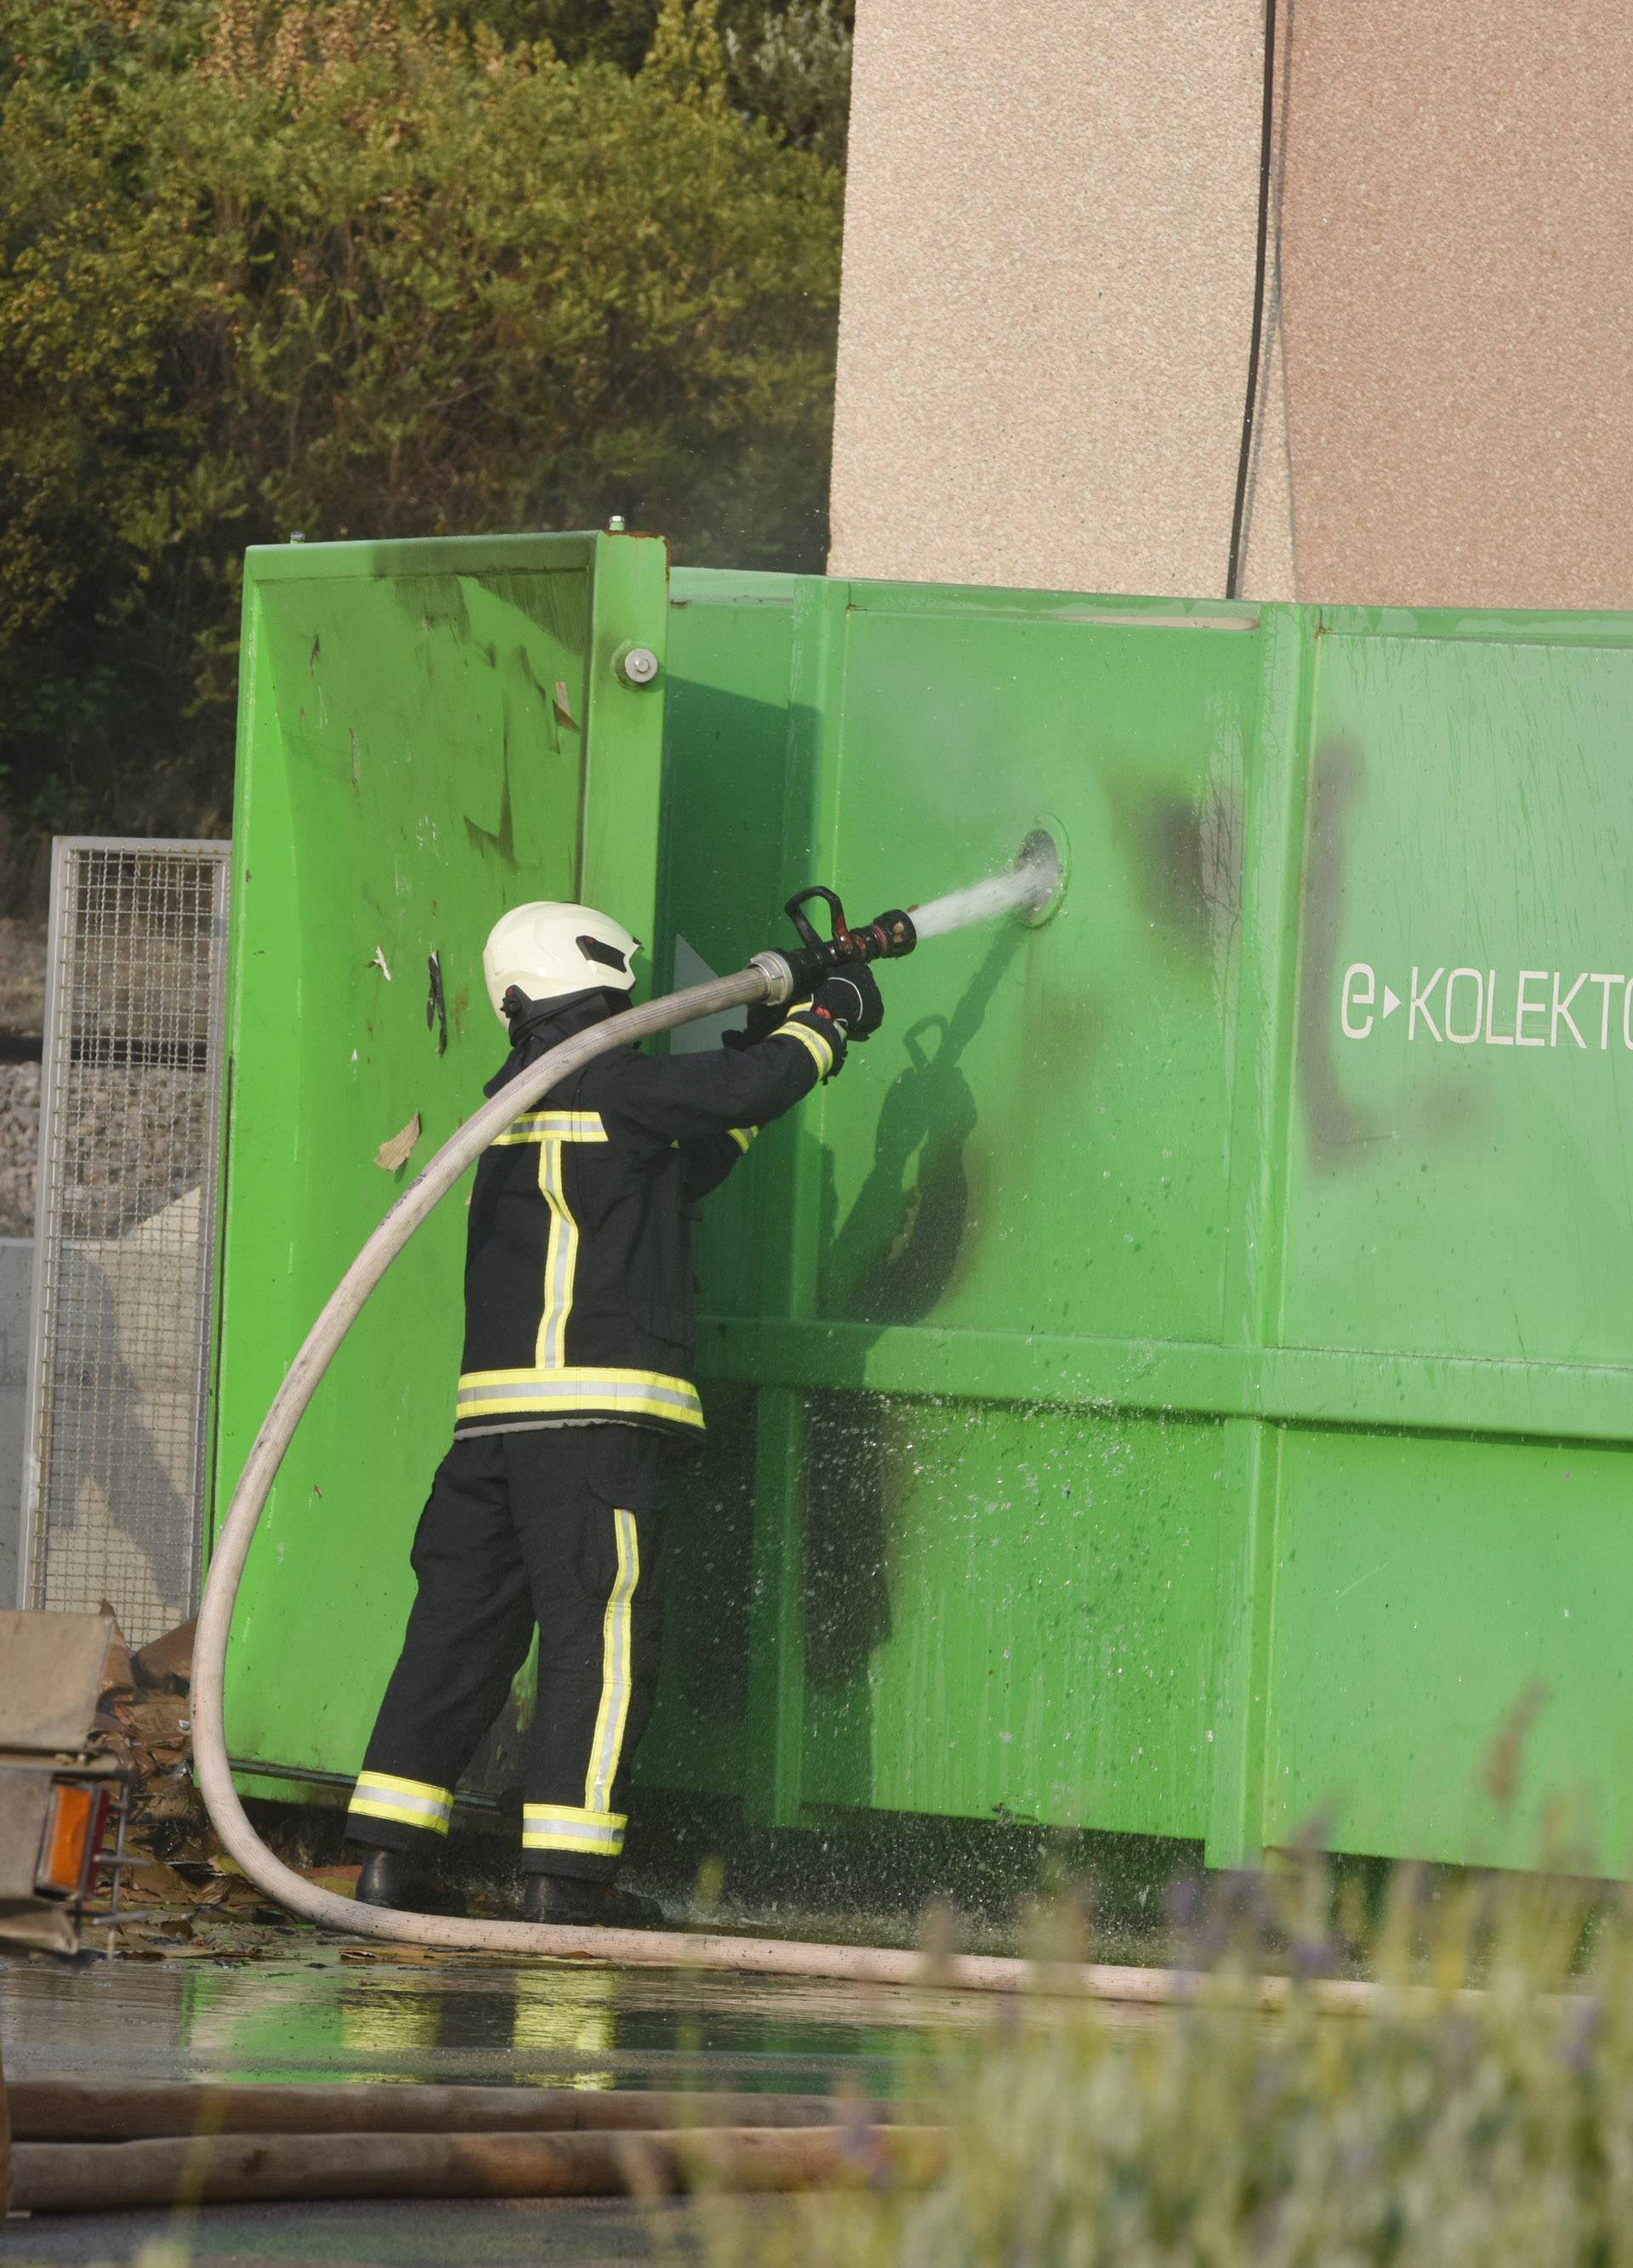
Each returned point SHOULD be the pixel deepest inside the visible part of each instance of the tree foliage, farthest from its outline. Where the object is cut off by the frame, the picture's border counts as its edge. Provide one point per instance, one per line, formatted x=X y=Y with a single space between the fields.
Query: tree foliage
x=792 y=67
x=349 y=267
x=789 y=62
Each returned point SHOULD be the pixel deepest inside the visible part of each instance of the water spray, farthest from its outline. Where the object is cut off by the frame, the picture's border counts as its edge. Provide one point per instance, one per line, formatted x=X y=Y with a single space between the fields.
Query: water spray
x=1031 y=888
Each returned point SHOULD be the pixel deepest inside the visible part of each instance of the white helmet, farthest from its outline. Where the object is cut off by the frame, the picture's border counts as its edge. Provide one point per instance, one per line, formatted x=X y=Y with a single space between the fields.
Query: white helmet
x=549 y=951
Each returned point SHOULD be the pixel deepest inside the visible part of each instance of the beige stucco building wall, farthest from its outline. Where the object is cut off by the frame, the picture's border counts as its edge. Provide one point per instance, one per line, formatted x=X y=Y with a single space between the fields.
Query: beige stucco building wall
x=1048 y=292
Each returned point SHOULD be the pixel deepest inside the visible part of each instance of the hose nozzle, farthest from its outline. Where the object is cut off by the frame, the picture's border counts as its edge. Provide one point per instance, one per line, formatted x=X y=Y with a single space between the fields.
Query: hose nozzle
x=891 y=936
x=888 y=937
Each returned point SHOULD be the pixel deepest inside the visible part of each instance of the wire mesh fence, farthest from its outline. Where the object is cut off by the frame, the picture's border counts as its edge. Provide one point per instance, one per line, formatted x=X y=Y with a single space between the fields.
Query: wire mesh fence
x=128 y=1158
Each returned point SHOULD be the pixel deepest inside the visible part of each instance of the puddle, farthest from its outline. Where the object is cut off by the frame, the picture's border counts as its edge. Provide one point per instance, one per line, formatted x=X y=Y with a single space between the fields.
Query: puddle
x=331 y=2012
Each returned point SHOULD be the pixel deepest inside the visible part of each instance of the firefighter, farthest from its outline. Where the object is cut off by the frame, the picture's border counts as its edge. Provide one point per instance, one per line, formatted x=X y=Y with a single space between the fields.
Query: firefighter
x=575 y=1391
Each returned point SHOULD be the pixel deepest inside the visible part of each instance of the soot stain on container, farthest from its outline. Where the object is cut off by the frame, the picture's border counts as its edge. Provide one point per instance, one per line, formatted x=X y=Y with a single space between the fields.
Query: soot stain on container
x=431 y=602
x=902 y=1245
x=1061 y=1028
x=1184 y=856
x=907 y=1238
x=534 y=696
x=844 y=1544
x=1332 y=1124
x=554 y=600
x=1339 y=1133
x=711 y=1500
x=932 y=1250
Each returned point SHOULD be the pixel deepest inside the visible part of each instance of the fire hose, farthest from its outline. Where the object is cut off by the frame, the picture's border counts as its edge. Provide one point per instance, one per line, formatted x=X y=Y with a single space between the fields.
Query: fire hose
x=771 y=979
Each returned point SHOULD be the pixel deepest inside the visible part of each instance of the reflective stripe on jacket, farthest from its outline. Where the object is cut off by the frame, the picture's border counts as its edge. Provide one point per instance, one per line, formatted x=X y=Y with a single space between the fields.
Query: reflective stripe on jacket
x=578 y=1269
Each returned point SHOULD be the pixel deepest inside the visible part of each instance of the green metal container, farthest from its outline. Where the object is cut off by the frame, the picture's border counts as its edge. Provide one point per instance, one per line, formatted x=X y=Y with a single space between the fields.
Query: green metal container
x=1176 y=1381
x=428 y=733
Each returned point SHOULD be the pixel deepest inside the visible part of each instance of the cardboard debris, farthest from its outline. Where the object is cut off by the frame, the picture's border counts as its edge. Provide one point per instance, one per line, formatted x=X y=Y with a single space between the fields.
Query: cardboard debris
x=183 y=1897
x=157 y=1720
x=397 y=1151
x=118 y=1674
x=180 y=1894
x=156 y=1879
x=165 y=1665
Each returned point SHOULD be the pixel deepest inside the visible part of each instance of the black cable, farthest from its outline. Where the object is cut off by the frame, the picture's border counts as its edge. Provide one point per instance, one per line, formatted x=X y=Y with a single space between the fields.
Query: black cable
x=1233 y=573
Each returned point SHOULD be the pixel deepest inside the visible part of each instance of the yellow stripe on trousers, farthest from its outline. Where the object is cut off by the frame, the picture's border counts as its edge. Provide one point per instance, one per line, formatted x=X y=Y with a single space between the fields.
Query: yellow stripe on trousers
x=562 y=1827
x=405 y=1802
x=616 y=1667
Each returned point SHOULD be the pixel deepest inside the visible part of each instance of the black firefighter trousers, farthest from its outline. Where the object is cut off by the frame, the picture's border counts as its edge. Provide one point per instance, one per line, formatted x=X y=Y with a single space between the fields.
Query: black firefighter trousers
x=561 y=1527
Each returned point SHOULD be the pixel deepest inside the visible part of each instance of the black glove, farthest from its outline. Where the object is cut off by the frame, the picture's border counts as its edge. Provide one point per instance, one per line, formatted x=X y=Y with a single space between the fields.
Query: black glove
x=852 y=998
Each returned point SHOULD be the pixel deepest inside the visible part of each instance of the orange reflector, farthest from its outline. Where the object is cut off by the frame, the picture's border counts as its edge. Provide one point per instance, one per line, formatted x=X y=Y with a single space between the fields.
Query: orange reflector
x=73 y=1828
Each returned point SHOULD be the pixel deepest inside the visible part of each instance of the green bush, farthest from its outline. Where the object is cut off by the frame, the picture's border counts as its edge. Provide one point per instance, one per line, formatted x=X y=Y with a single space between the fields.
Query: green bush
x=1434 y=2128
x=340 y=267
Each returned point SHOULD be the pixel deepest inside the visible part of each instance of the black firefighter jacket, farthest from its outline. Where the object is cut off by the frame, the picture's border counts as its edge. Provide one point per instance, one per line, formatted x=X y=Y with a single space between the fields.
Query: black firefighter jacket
x=577 y=1267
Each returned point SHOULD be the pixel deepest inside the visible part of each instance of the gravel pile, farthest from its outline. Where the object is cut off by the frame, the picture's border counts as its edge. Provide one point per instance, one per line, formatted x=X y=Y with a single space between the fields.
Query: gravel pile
x=22 y=1010
x=22 y=976
x=133 y=1142
x=19 y=1142
x=137 y=1135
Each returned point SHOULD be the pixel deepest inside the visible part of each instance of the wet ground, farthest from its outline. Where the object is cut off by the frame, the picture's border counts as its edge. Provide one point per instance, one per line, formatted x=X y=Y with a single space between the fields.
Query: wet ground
x=337 y=2012
x=314 y=2009
x=593 y=2233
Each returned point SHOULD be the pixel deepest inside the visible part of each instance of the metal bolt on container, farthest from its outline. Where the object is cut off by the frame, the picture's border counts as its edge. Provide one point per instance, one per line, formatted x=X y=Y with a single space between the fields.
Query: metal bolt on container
x=636 y=665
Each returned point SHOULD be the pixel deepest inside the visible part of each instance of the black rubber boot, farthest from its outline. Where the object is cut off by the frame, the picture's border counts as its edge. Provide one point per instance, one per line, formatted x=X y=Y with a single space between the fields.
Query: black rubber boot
x=574 y=1904
x=392 y=1878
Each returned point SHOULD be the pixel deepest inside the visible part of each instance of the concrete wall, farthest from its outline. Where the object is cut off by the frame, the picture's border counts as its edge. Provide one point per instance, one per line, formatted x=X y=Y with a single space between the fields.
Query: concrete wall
x=17 y=1276
x=1048 y=287
x=1048 y=276
x=1457 y=214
